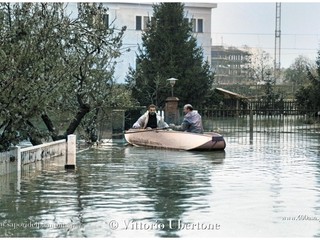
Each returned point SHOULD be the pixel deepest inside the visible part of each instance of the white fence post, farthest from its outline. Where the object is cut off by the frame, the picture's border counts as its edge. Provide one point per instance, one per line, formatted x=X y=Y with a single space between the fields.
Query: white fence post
x=18 y=155
x=18 y=159
x=71 y=152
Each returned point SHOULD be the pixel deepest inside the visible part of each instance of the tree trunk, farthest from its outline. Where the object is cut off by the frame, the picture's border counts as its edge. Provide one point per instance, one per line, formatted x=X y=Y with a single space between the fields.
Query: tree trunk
x=91 y=128
x=83 y=110
x=4 y=139
x=34 y=139
x=49 y=124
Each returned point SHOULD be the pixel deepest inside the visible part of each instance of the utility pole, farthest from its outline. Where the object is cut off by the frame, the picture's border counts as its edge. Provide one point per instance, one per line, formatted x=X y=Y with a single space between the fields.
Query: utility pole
x=277 y=44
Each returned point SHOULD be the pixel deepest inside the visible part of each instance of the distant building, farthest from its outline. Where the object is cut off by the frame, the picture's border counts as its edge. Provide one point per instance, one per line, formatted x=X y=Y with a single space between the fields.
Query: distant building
x=230 y=65
x=135 y=15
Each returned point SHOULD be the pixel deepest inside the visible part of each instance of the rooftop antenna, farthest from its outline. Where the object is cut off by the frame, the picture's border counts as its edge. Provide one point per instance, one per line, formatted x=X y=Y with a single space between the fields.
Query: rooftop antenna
x=277 y=43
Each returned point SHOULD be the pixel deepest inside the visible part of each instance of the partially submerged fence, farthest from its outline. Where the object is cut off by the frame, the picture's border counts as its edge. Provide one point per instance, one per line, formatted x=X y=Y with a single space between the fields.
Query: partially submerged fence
x=42 y=152
x=259 y=117
x=14 y=159
x=8 y=163
x=251 y=117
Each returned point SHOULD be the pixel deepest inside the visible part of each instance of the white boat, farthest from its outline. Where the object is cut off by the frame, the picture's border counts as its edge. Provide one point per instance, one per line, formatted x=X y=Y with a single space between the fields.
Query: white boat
x=169 y=139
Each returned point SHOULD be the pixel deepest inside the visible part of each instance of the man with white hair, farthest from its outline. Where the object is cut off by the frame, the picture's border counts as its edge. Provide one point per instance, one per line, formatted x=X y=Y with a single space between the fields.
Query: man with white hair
x=192 y=121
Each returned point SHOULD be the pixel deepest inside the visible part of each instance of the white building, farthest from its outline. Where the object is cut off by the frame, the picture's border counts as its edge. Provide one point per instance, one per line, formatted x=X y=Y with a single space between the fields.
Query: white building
x=135 y=16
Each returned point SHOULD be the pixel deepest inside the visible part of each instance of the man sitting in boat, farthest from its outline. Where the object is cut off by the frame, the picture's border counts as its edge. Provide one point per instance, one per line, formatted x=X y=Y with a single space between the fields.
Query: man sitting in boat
x=151 y=119
x=192 y=121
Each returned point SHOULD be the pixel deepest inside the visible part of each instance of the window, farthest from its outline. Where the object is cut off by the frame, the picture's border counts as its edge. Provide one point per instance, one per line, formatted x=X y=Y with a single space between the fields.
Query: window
x=142 y=22
x=138 y=23
x=200 y=25
x=193 y=24
x=105 y=19
x=100 y=20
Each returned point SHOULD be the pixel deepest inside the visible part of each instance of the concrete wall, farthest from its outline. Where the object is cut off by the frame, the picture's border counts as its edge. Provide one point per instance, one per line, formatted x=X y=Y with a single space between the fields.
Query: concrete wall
x=14 y=160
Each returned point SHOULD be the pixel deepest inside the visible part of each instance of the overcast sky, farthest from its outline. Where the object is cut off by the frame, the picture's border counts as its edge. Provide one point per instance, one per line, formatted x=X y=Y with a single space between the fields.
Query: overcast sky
x=253 y=24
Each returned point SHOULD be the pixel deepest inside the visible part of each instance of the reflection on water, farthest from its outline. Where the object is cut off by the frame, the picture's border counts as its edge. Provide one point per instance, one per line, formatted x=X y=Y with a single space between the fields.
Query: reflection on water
x=123 y=191
x=175 y=182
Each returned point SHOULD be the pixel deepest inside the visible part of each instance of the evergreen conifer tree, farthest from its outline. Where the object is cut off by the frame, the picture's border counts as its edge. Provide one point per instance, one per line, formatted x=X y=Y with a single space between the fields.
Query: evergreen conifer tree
x=169 y=49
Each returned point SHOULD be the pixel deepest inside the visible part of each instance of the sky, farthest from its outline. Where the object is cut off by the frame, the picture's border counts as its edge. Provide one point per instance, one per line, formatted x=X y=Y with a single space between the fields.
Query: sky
x=253 y=24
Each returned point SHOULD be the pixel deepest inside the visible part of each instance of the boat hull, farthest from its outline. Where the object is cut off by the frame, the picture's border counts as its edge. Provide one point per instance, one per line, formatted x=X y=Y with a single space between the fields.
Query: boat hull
x=175 y=139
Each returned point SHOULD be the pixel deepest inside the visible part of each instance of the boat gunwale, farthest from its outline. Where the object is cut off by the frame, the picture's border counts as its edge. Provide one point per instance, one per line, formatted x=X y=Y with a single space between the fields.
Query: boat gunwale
x=208 y=134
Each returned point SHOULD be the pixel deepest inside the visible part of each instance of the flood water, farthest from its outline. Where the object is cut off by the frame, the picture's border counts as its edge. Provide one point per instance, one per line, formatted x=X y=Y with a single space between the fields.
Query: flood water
x=269 y=188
